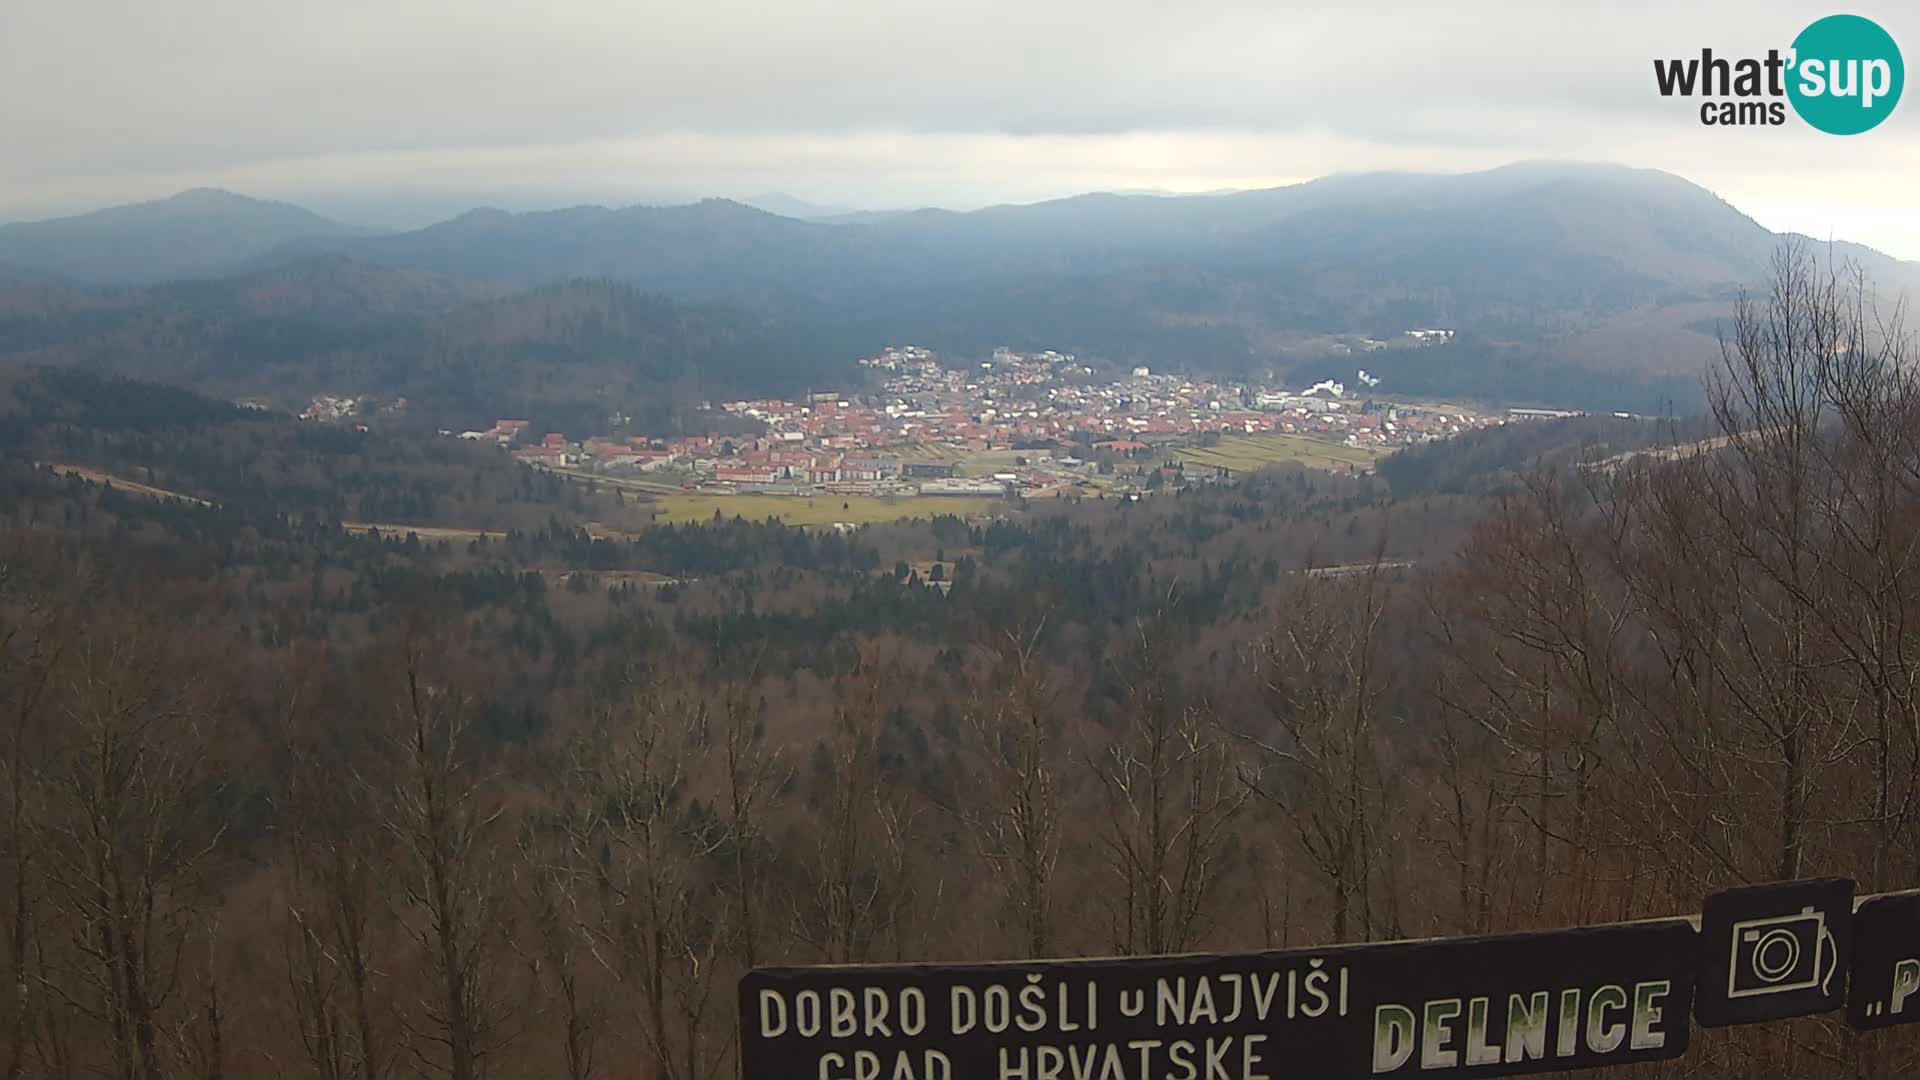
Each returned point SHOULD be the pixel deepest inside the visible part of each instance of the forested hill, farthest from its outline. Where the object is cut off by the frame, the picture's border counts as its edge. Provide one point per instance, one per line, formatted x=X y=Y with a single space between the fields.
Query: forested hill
x=575 y=351
x=171 y=443
x=1577 y=285
x=194 y=233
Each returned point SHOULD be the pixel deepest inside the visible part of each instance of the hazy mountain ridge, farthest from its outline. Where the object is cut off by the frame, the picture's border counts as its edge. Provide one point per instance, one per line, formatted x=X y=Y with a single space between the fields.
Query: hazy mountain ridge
x=196 y=233
x=1544 y=265
x=1658 y=224
x=779 y=202
x=1654 y=226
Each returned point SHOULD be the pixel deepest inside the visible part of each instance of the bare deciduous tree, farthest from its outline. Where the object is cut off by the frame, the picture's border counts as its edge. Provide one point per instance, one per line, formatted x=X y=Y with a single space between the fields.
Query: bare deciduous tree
x=859 y=871
x=128 y=823
x=31 y=644
x=1012 y=806
x=1321 y=767
x=755 y=773
x=1172 y=793
x=646 y=846
x=334 y=864
x=443 y=827
x=561 y=945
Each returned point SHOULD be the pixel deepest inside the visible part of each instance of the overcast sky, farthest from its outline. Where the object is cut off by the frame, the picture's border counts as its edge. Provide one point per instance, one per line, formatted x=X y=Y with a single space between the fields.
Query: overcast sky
x=386 y=110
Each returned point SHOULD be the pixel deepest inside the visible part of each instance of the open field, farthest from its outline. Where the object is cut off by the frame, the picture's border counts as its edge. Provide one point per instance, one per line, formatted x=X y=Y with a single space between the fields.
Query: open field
x=1352 y=569
x=605 y=578
x=133 y=487
x=1669 y=453
x=426 y=533
x=930 y=452
x=1246 y=453
x=817 y=509
x=596 y=530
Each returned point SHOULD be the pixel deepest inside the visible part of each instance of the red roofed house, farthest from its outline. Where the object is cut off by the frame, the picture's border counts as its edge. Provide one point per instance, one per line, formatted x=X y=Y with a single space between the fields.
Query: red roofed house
x=744 y=474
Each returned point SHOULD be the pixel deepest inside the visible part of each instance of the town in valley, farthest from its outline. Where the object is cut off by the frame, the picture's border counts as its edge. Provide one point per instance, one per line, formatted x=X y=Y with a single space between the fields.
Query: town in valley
x=1029 y=424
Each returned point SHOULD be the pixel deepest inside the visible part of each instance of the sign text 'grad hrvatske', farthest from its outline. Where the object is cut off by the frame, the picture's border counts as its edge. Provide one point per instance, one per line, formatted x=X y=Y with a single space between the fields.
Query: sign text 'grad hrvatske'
x=1467 y=1007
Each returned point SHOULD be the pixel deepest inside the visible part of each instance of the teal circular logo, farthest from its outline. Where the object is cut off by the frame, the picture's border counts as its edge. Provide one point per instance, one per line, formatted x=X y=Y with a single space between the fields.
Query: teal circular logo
x=1846 y=75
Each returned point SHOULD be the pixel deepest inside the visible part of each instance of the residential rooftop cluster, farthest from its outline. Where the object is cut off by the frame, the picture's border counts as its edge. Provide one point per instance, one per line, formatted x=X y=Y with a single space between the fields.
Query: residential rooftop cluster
x=1017 y=398
x=932 y=427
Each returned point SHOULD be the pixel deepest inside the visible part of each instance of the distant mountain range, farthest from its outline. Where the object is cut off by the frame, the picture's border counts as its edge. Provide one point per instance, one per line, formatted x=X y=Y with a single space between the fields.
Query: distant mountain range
x=1570 y=283
x=196 y=233
x=777 y=202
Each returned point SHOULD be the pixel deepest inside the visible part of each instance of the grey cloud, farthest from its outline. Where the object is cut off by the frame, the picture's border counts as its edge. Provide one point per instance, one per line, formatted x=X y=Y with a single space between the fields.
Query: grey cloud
x=372 y=92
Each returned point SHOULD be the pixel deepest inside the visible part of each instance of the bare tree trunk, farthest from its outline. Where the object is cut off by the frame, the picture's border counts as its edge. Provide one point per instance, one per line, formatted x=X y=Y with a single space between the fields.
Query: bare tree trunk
x=331 y=866
x=1172 y=793
x=633 y=836
x=1320 y=766
x=1012 y=807
x=129 y=832
x=442 y=829
x=562 y=942
x=859 y=874
x=754 y=774
x=30 y=652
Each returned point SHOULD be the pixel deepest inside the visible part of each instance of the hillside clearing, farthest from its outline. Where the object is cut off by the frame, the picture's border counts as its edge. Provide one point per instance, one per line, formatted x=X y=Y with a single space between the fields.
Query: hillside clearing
x=821 y=509
x=426 y=533
x=1246 y=453
x=132 y=487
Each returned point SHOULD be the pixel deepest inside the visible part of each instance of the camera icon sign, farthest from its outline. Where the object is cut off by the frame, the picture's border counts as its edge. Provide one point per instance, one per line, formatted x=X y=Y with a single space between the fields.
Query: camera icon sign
x=1774 y=950
x=1782 y=954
